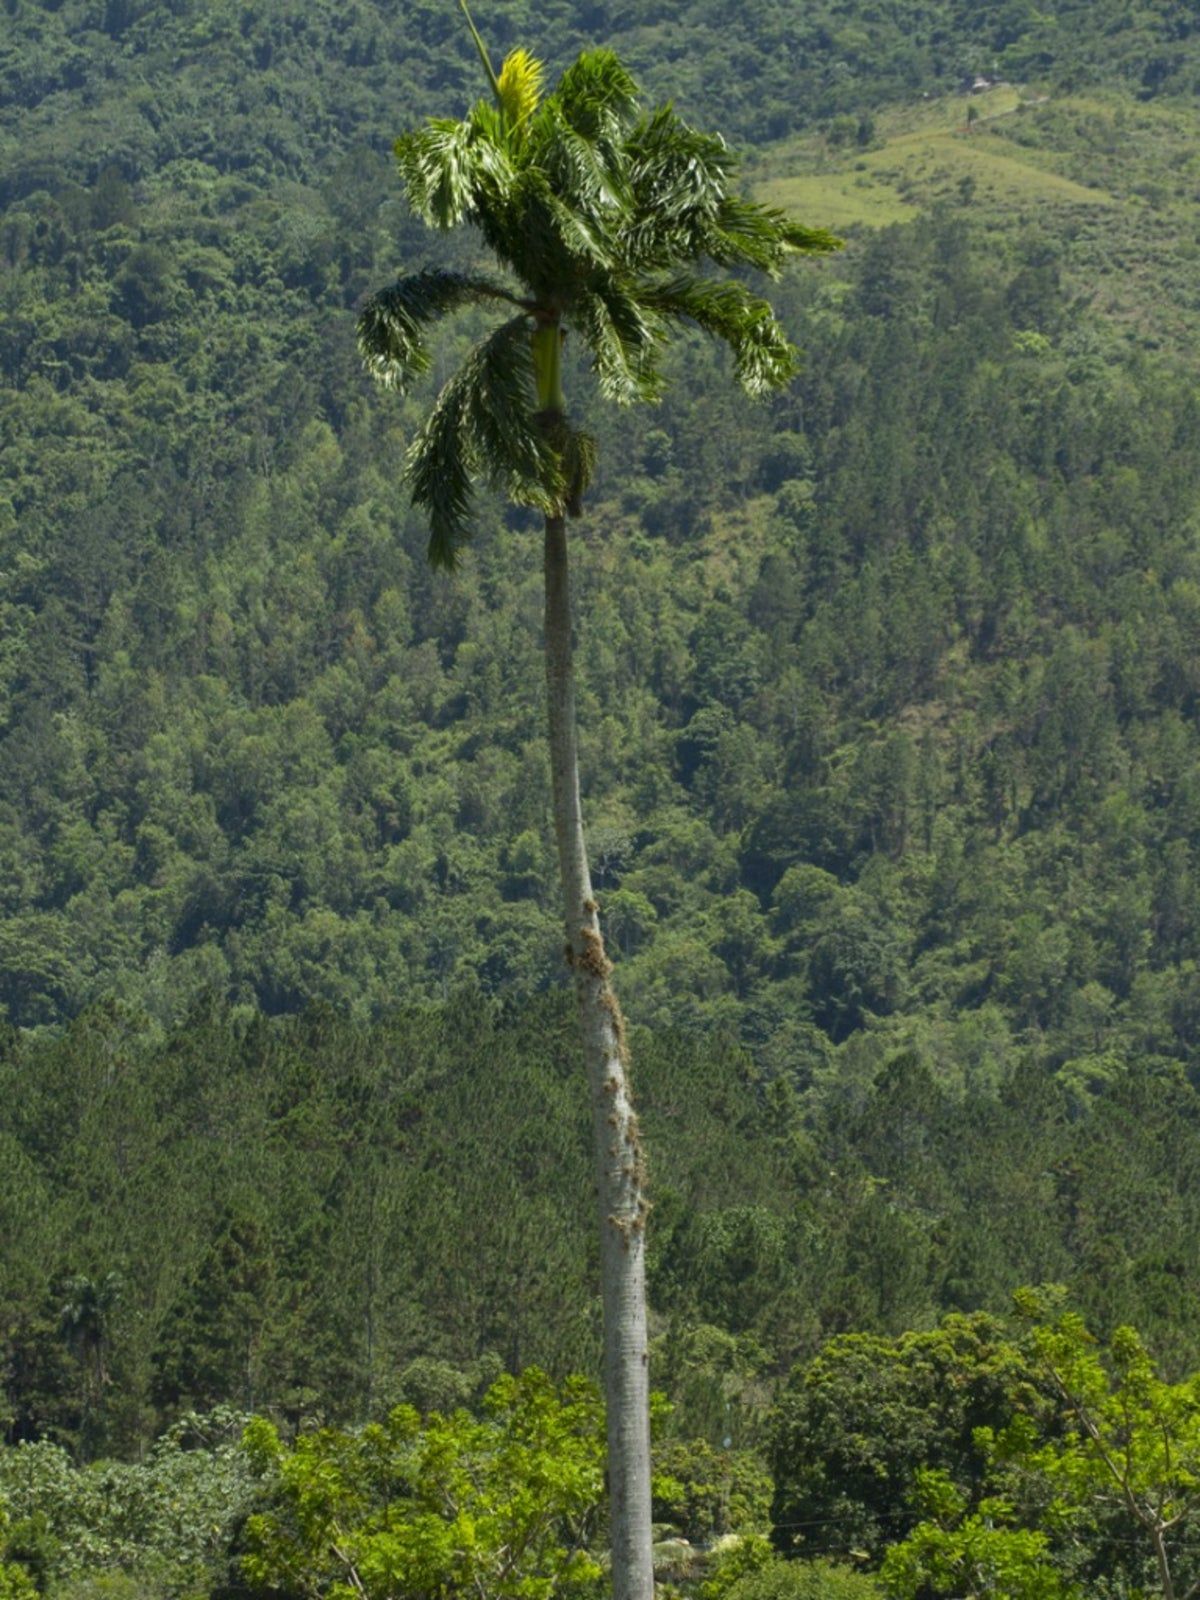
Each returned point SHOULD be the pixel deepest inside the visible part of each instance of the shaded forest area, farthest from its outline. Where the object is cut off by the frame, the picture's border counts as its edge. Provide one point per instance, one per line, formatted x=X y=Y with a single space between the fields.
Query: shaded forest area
x=319 y=1219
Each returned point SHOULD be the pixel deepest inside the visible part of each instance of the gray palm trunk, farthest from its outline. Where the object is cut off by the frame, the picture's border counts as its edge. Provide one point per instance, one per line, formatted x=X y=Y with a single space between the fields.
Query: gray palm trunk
x=619 y=1168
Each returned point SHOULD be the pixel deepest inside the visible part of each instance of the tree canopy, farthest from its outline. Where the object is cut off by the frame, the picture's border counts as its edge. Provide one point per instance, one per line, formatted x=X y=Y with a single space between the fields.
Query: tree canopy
x=601 y=214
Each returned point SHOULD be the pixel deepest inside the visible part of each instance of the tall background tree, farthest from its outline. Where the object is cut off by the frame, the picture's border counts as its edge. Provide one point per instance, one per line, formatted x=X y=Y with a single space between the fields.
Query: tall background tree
x=603 y=220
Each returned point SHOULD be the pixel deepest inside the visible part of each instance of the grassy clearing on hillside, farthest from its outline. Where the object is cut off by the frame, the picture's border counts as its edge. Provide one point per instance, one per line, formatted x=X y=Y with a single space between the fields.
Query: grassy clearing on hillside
x=927 y=153
x=1139 y=264
x=1113 y=181
x=841 y=200
x=934 y=166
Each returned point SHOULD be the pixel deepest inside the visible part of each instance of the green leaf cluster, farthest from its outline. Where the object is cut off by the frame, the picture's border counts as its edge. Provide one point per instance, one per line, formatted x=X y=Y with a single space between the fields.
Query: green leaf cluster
x=500 y=1505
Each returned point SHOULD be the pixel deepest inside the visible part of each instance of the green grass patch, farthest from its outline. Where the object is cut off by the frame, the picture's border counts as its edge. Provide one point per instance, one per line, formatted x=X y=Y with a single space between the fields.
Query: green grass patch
x=1114 y=182
x=924 y=168
x=926 y=153
x=841 y=199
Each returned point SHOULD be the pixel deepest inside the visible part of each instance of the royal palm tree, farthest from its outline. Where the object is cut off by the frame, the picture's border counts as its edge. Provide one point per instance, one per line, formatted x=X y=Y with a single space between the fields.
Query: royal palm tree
x=604 y=223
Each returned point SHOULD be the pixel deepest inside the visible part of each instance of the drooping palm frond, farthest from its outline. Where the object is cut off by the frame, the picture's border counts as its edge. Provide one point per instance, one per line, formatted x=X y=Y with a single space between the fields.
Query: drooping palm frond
x=763 y=356
x=391 y=325
x=746 y=234
x=450 y=167
x=623 y=336
x=482 y=424
x=516 y=454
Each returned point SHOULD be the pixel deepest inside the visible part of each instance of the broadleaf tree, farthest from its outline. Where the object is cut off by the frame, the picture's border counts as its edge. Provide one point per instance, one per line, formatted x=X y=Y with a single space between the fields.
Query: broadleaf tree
x=603 y=224
x=498 y=1506
x=1094 y=1490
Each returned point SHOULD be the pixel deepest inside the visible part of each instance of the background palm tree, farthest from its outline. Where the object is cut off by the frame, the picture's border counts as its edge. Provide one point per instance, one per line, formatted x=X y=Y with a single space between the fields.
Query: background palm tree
x=602 y=220
x=84 y=1323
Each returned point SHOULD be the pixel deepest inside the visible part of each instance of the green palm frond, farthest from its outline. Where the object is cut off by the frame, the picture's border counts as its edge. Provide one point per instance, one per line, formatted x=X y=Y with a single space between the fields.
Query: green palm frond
x=483 y=423
x=581 y=238
x=623 y=336
x=597 y=95
x=663 y=144
x=515 y=453
x=391 y=325
x=744 y=233
x=679 y=179
x=580 y=169
x=681 y=198
x=449 y=167
x=763 y=357
x=438 y=170
x=808 y=241
x=570 y=244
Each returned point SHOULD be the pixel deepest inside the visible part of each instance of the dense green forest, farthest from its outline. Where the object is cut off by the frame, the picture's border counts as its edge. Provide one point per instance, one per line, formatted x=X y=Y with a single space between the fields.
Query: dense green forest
x=888 y=713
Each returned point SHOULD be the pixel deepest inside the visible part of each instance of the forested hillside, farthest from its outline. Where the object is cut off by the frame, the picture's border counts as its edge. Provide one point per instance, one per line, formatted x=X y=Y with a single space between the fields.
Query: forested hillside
x=889 y=693
x=252 y=747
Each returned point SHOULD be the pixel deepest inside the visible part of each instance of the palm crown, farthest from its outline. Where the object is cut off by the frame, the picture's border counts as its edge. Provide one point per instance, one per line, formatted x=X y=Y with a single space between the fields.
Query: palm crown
x=603 y=218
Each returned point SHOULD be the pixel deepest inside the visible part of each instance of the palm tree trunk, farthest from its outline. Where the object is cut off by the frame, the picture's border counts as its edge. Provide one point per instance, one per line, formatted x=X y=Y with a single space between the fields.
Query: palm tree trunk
x=620 y=1172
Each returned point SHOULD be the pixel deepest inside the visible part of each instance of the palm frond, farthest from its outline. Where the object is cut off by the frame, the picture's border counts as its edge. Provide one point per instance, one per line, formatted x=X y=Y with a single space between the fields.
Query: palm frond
x=809 y=241
x=391 y=325
x=680 y=182
x=438 y=170
x=515 y=454
x=623 y=335
x=579 y=234
x=744 y=233
x=547 y=241
x=496 y=161
x=439 y=470
x=597 y=94
x=547 y=244
x=483 y=423
x=584 y=172
x=763 y=356
x=448 y=166
x=677 y=174
x=674 y=208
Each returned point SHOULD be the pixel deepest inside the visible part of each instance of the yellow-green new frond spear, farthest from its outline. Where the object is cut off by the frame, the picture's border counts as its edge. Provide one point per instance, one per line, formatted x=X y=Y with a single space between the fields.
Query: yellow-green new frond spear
x=607 y=224
x=519 y=87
